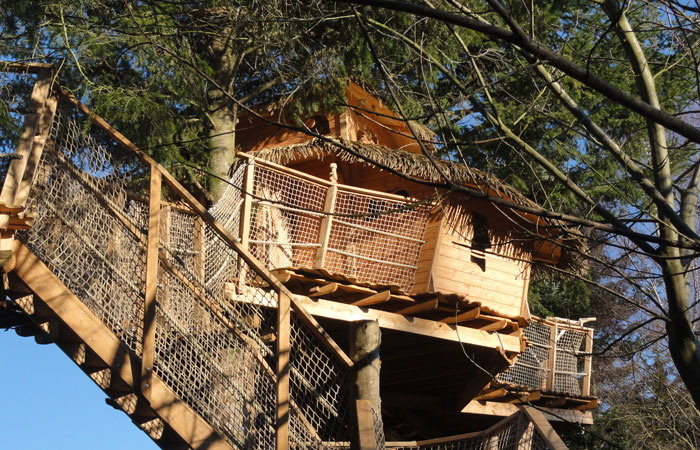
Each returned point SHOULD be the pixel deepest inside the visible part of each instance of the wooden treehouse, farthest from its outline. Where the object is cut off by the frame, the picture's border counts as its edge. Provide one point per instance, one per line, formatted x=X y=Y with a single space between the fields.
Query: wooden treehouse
x=229 y=328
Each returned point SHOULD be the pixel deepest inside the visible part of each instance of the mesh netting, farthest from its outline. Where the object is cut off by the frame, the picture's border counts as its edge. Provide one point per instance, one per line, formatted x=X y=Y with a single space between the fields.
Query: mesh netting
x=78 y=198
x=372 y=238
x=531 y=369
x=379 y=437
x=568 y=371
x=216 y=317
x=318 y=388
x=515 y=434
x=375 y=246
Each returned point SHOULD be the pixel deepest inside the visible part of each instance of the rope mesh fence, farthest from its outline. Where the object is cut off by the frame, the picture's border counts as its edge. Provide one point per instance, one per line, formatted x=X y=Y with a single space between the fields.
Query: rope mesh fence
x=372 y=238
x=215 y=316
x=532 y=367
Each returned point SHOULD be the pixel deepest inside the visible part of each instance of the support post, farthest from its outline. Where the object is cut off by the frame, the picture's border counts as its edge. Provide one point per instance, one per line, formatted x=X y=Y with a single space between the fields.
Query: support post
x=327 y=222
x=365 y=339
x=34 y=121
x=246 y=216
x=552 y=361
x=149 y=311
x=588 y=364
x=544 y=428
x=283 y=369
x=366 y=439
x=199 y=248
x=20 y=174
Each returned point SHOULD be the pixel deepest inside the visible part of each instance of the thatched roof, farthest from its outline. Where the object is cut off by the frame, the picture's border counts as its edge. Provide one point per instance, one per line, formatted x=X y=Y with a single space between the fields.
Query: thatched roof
x=420 y=166
x=412 y=164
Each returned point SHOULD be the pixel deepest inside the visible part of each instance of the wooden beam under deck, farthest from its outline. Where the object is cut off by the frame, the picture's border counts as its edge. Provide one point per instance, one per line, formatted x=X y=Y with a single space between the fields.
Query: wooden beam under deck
x=468 y=336
x=506 y=409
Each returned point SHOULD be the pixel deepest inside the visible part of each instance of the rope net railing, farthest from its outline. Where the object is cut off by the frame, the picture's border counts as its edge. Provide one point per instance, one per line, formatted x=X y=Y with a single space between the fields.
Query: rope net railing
x=513 y=433
x=216 y=316
x=298 y=221
x=555 y=359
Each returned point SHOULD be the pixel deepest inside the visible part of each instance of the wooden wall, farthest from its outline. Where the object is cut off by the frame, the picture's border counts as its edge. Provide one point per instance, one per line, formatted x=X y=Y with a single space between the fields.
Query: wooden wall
x=499 y=283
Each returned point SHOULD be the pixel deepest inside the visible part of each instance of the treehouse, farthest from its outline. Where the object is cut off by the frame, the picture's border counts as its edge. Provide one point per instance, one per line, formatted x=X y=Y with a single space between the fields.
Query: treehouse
x=358 y=241
x=229 y=328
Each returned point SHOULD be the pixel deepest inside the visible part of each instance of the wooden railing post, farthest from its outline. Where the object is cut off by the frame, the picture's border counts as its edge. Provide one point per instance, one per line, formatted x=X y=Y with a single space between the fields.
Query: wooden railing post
x=247 y=207
x=198 y=235
x=246 y=216
x=552 y=361
x=366 y=439
x=587 y=364
x=283 y=369
x=327 y=221
x=20 y=174
x=149 y=310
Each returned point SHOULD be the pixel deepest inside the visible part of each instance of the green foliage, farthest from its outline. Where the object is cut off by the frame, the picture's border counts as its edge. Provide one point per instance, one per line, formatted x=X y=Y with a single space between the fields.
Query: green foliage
x=568 y=298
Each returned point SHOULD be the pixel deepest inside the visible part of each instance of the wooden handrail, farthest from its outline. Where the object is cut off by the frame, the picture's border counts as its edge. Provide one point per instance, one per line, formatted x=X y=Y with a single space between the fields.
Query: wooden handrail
x=320 y=181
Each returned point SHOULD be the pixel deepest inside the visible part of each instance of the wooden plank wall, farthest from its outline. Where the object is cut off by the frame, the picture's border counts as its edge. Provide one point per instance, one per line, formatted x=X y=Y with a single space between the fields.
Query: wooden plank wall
x=501 y=287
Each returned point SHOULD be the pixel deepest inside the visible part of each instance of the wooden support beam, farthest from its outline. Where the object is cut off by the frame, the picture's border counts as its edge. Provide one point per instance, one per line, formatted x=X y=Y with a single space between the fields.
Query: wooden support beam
x=524 y=397
x=497 y=393
x=544 y=428
x=495 y=326
x=282 y=384
x=283 y=275
x=472 y=314
x=552 y=358
x=425 y=306
x=415 y=325
x=149 y=312
x=375 y=299
x=556 y=403
x=591 y=404
x=366 y=440
x=320 y=291
x=37 y=123
x=490 y=408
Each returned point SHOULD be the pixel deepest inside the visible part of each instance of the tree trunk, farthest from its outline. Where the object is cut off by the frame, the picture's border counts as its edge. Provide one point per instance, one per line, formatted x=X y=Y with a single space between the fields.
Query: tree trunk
x=365 y=338
x=682 y=342
x=222 y=143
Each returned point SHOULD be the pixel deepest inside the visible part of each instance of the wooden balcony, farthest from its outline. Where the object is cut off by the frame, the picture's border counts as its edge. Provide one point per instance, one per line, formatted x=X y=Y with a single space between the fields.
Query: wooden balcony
x=554 y=371
x=291 y=219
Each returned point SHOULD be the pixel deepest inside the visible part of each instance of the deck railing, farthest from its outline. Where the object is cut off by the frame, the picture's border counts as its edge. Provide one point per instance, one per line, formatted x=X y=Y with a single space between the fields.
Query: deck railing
x=289 y=218
x=557 y=358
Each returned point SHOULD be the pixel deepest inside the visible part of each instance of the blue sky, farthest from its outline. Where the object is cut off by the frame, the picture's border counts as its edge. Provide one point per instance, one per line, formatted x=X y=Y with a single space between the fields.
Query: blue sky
x=46 y=402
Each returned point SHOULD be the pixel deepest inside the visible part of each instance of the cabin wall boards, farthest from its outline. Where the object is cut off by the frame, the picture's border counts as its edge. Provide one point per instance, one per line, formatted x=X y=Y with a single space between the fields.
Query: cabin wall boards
x=498 y=282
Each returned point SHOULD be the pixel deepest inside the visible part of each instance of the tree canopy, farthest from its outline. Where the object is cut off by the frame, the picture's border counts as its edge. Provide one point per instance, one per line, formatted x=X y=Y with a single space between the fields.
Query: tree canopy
x=588 y=108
